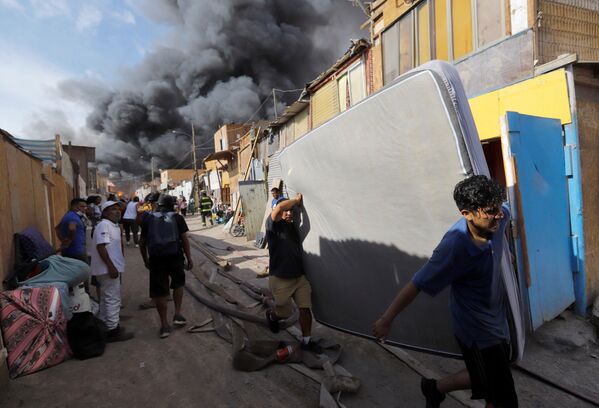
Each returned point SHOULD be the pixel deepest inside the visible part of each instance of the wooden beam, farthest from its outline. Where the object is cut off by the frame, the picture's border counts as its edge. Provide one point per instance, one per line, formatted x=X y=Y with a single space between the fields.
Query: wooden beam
x=556 y=63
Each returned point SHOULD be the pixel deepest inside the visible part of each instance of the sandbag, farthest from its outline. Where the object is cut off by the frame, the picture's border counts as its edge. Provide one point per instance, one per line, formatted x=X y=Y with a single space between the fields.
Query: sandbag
x=34 y=329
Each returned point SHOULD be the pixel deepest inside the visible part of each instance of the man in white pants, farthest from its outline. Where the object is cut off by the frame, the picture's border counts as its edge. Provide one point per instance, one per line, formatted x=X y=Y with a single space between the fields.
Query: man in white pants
x=107 y=263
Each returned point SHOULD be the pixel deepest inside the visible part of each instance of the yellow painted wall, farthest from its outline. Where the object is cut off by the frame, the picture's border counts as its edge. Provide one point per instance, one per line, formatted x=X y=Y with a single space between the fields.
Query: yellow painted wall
x=301 y=123
x=176 y=175
x=225 y=178
x=394 y=9
x=325 y=103
x=545 y=96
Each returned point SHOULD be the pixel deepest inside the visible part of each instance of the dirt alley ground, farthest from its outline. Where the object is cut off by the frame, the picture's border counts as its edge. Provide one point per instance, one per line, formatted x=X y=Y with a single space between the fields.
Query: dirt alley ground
x=195 y=370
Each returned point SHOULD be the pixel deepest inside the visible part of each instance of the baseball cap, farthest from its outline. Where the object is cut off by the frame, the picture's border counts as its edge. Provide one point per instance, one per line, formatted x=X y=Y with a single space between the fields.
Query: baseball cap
x=107 y=204
x=166 y=200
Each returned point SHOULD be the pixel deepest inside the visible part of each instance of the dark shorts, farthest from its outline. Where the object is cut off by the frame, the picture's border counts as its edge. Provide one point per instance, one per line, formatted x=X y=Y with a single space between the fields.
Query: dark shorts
x=490 y=374
x=161 y=270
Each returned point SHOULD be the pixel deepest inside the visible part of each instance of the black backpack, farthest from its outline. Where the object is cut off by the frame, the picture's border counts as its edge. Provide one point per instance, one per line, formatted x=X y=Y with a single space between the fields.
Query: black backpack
x=163 y=234
x=87 y=335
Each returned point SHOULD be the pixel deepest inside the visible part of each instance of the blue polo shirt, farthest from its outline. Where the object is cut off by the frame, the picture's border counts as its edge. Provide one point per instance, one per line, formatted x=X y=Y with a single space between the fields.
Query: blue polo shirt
x=477 y=299
x=77 y=247
x=275 y=201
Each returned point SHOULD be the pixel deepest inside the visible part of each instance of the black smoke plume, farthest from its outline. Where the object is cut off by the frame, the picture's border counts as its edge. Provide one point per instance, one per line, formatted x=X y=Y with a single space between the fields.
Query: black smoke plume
x=220 y=61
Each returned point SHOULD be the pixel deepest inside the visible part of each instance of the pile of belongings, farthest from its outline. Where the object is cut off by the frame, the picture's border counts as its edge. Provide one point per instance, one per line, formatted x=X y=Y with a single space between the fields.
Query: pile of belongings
x=34 y=312
x=34 y=329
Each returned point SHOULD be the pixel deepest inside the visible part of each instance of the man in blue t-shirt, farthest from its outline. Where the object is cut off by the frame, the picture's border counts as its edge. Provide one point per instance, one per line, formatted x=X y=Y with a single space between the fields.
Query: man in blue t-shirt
x=468 y=259
x=71 y=231
x=276 y=197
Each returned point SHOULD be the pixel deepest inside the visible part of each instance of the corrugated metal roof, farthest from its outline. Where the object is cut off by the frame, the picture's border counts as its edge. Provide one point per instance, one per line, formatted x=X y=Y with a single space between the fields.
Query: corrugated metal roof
x=356 y=48
x=8 y=137
x=44 y=150
x=289 y=112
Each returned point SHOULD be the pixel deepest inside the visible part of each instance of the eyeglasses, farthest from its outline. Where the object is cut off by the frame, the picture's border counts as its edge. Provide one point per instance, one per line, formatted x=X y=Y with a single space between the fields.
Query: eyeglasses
x=491 y=212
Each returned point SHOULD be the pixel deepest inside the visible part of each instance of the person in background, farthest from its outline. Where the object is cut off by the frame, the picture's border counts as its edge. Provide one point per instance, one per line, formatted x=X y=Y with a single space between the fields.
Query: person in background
x=192 y=206
x=183 y=206
x=93 y=211
x=206 y=208
x=107 y=264
x=71 y=231
x=129 y=221
x=276 y=197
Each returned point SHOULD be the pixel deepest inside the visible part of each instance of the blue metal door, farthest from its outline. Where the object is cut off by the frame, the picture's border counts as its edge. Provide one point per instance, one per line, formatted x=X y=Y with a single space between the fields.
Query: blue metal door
x=534 y=153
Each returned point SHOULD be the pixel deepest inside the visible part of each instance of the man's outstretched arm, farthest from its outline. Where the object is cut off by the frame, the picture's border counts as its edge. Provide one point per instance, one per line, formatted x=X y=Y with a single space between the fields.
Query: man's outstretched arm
x=283 y=206
x=406 y=295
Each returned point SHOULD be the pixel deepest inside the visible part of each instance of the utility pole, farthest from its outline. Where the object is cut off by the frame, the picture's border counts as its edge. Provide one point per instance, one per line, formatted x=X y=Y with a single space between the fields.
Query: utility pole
x=152 y=167
x=274 y=101
x=195 y=166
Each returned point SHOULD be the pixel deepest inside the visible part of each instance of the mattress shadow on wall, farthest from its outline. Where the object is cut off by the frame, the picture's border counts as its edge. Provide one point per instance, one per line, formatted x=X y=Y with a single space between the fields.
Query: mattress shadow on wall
x=353 y=282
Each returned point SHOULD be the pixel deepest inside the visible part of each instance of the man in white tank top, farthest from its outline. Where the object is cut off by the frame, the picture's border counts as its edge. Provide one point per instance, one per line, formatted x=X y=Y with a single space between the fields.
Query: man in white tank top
x=129 y=221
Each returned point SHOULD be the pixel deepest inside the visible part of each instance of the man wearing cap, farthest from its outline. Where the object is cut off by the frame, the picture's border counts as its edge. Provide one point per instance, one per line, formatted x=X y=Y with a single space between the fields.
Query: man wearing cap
x=107 y=263
x=163 y=244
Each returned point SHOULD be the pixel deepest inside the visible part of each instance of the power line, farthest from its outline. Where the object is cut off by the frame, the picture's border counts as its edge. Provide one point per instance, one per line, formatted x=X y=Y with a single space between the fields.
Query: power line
x=257 y=110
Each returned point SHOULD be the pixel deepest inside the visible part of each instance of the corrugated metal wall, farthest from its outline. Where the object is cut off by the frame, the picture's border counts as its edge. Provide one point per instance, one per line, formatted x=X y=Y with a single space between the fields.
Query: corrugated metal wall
x=274 y=169
x=569 y=26
x=273 y=144
x=325 y=103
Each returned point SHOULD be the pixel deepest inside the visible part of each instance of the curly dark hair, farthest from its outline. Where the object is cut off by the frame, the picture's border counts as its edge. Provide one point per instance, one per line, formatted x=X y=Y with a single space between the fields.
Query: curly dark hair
x=477 y=192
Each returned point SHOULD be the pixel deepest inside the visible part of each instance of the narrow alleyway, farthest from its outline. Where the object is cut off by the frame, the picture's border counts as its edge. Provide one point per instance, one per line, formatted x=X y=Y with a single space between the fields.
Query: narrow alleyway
x=184 y=370
x=195 y=370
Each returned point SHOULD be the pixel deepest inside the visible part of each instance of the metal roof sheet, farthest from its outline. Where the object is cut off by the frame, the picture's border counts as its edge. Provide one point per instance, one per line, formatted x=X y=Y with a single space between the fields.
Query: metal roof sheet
x=42 y=149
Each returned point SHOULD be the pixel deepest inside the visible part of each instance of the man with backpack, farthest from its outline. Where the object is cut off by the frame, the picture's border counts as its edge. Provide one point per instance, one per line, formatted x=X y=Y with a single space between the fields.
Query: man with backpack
x=163 y=243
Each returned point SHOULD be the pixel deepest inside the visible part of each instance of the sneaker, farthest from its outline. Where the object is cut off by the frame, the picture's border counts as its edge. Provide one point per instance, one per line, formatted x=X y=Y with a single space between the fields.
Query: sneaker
x=179 y=320
x=136 y=245
x=312 y=346
x=273 y=324
x=428 y=386
x=118 y=334
x=165 y=331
